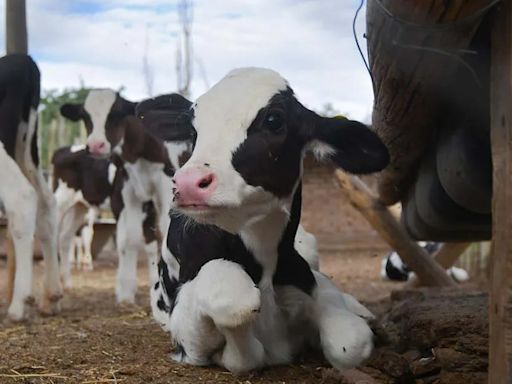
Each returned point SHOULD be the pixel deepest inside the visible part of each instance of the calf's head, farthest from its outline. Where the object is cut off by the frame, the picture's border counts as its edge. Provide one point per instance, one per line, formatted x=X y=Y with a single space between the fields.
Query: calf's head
x=102 y=113
x=251 y=136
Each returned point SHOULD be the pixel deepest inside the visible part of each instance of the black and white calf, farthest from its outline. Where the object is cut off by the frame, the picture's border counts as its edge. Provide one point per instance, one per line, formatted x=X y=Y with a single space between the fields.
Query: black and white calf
x=394 y=269
x=28 y=201
x=233 y=289
x=82 y=186
x=148 y=163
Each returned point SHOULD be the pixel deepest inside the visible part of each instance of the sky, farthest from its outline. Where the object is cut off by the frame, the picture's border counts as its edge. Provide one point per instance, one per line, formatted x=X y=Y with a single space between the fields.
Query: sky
x=101 y=42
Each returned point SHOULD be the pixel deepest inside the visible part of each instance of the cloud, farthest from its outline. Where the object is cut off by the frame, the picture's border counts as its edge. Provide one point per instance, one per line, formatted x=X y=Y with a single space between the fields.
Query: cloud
x=309 y=42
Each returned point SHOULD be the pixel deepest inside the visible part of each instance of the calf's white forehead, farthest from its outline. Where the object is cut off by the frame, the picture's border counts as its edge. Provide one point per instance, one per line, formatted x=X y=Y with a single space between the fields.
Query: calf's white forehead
x=226 y=111
x=98 y=104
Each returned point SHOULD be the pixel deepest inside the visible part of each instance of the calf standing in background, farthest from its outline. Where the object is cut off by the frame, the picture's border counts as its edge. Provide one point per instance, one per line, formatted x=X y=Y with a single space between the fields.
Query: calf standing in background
x=28 y=201
x=150 y=150
x=82 y=185
x=233 y=289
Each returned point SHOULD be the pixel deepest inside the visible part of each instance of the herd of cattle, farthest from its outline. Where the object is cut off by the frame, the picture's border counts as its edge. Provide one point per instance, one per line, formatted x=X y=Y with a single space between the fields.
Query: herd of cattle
x=210 y=192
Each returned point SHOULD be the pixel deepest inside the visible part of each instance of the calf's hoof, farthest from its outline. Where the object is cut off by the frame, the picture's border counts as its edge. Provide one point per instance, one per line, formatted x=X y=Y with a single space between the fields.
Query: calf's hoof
x=17 y=313
x=50 y=305
x=346 y=339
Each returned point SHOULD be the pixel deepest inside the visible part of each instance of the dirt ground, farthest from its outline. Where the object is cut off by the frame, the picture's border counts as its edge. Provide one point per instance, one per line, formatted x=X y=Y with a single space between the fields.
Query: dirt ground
x=95 y=341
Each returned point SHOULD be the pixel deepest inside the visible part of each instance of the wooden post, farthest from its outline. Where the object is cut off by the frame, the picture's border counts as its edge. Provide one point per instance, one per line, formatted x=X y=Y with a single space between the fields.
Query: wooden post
x=446 y=257
x=500 y=299
x=16 y=27
x=384 y=222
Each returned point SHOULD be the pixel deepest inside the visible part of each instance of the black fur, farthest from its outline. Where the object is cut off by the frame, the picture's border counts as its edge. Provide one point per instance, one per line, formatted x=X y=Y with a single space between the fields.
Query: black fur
x=19 y=92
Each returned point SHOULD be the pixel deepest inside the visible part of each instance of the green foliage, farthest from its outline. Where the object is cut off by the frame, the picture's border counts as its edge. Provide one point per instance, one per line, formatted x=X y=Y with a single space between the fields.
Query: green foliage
x=55 y=131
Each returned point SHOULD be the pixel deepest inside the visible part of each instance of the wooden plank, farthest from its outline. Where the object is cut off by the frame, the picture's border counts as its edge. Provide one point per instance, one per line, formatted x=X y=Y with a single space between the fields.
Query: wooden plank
x=500 y=300
x=446 y=257
x=385 y=223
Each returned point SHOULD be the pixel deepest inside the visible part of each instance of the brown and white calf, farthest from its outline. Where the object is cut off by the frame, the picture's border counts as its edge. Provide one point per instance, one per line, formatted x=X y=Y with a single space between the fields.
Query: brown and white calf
x=28 y=202
x=233 y=288
x=82 y=186
x=150 y=152
x=85 y=184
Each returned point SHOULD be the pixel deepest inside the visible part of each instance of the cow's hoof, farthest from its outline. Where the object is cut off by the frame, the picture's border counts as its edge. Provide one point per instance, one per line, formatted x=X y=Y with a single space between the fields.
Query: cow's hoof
x=346 y=339
x=16 y=313
x=50 y=308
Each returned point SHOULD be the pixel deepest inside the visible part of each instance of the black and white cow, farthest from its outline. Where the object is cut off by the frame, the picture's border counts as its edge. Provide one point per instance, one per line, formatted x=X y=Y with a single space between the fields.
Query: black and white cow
x=150 y=153
x=394 y=269
x=28 y=201
x=233 y=289
x=82 y=186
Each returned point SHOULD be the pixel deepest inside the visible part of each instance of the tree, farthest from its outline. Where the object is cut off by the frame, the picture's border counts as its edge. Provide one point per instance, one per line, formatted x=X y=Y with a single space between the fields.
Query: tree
x=16 y=40
x=147 y=70
x=184 y=49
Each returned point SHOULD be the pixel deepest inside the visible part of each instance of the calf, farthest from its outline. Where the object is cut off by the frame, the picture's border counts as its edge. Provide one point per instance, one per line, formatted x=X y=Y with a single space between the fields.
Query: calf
x=28 y=201
x=233 y=289
x=150 y=151
x=84 y=184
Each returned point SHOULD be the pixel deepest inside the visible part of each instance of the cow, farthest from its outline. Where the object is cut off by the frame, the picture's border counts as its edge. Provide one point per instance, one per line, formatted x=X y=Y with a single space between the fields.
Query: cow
x=233 y=289
x=394 y=269
x=150 y=151
x=83 y=185
x=29 y=204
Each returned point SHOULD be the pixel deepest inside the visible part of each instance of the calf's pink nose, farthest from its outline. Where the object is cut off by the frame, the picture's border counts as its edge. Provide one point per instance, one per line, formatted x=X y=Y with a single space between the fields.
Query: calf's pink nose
x=193 y=186
x=97 y=147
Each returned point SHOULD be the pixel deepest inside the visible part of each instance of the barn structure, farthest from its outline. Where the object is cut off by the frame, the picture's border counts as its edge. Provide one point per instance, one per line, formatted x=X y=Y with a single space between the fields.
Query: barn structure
x=442 y=79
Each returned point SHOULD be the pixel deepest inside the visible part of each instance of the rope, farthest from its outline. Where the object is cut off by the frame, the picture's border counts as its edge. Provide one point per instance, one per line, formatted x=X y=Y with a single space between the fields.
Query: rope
x=357 y=42
x=455 y=54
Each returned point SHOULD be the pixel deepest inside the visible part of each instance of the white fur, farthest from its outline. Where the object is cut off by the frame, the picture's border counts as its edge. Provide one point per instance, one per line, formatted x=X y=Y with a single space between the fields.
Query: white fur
x=30 y=209
x=77 y=147
x=111 y=173
x=209 y=313
x=306 y=245
x=175 y=150
x=131 y=243
x=73 y=210
x=321 y=150
x=98 y=104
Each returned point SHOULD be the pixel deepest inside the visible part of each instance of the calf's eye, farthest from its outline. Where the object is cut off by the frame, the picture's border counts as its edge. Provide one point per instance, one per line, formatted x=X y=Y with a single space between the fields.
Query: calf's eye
x=273 y=122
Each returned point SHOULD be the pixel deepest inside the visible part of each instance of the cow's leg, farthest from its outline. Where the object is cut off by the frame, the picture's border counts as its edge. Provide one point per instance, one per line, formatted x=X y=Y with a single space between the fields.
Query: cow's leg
x=345 y=336
x=214 y=319
x=70 y=224
x=87 y=237
x=152 y=253
x=46 y=231
x=227 y=295
x=20 y=201
x=130 y=239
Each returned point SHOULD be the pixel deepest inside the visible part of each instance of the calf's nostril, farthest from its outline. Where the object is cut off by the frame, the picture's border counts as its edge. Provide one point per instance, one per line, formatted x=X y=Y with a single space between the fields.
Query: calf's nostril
x=205 y=182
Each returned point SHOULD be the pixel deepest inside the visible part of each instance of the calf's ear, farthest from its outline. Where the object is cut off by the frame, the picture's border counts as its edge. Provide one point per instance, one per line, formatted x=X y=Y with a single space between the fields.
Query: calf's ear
x=350 y=144
x=73 y=112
